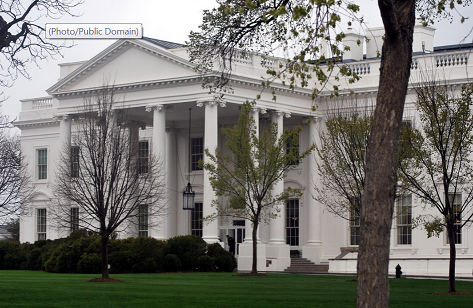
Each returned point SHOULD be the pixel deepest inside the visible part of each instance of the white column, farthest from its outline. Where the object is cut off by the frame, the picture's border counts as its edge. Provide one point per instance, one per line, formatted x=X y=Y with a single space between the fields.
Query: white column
x=277 y=225
x=313 y=249
x=64 y=131
x=158 y=229
x=210 y=229
x=248 y=224
x=245 y=257
x=172 y=199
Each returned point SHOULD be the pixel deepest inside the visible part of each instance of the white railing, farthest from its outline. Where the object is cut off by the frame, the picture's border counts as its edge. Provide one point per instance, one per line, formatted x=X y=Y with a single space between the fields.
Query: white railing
x=42 y=103
x=360 y=69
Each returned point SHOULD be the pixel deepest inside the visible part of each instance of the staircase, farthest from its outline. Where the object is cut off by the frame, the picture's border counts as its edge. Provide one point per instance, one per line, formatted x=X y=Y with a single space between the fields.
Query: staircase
x=304 y=266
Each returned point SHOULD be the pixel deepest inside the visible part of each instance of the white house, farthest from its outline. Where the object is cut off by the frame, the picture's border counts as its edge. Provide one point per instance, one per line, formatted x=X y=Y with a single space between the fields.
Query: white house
x=158 y=84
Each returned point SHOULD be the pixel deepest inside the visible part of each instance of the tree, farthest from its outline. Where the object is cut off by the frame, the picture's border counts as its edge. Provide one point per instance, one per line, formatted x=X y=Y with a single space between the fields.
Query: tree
x=239 y=27
x=248 y=174
x=103 y=174
x=13 y=228
x=22 y=38
x=15 y=188
x=441 y=169
x=341 y=160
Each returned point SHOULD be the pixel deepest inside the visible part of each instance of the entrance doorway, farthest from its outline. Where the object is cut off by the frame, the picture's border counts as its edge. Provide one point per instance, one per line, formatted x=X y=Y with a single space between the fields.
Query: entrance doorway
x=237 y=231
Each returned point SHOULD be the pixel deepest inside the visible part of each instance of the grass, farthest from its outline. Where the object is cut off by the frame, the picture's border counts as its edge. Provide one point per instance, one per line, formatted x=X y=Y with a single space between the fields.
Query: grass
x=40 y=289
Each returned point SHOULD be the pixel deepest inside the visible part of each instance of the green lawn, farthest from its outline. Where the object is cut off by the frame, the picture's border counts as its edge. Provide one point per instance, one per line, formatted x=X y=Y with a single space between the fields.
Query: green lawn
x=39 y=289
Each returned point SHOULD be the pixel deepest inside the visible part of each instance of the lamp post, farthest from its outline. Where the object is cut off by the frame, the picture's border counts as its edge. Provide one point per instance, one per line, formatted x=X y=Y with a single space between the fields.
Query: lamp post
x=188 y=195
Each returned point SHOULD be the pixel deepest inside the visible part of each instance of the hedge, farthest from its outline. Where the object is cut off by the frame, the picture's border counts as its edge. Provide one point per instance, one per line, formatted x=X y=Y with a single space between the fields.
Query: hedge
x=80 y=253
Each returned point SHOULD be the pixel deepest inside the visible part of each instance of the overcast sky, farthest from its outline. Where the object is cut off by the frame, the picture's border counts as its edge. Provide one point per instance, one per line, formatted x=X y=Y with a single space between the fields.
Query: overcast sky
x=166 y=20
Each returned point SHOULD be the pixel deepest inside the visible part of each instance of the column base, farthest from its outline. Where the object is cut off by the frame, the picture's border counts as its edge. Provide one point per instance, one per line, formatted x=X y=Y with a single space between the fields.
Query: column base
x=313 y=252
x=277 y=257
x=245 y=257
x=211 y=239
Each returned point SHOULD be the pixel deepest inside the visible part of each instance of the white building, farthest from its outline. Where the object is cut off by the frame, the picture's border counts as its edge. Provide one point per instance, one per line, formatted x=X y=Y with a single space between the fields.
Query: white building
x=158 y=84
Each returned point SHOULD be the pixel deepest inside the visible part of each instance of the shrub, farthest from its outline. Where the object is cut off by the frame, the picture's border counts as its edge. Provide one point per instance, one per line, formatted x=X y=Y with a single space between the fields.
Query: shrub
x=35 y=261
x=205 y=264
x=11 y=255
x=171 y=263
x=224 y=260
x=90 y=263
x=188 y=248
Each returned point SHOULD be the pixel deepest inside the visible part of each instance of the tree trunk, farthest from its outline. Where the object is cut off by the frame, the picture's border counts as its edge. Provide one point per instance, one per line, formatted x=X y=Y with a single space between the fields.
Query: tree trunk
x=104 y=241
x=255 y=246
x=453 y=255
x=381 y=158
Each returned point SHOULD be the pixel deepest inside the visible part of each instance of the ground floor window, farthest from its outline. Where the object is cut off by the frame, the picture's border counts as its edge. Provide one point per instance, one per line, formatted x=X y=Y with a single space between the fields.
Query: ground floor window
x=143 y=221
x=196 y=219
x=74 y=219
x=292 y=222
x=456 y=203
x=354 y=226
x=41 y=224
x=404 y=220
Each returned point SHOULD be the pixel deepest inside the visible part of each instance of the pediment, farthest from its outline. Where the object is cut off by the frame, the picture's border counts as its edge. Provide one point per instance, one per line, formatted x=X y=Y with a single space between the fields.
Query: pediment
x=123 y=63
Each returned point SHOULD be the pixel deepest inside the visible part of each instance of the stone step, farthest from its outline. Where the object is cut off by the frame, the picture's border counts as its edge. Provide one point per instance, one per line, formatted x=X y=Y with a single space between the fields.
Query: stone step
x=302 y=265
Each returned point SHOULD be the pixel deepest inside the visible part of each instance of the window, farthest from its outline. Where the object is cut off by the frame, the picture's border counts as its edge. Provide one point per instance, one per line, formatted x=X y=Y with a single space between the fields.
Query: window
x=42 y=168
x=196 y=219
x=41 y=224
x=143 y=221
x=405 y=142
x=292 y=149
x=197 y=152
x=143 y=156
x=456 y=203
x=292 y=222
x=354 y=226
x=75 y=161
x=74 y=219
x=404 y=220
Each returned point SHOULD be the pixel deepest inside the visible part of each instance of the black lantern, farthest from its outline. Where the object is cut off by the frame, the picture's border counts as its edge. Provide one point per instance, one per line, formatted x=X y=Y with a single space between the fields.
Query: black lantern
x=188 y=195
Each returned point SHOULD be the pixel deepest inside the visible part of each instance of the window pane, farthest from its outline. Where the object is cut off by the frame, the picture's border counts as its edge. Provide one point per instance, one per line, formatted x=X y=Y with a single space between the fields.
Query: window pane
x=196 y=219
x=292 y=222
x=42 y=164
x=404 y=220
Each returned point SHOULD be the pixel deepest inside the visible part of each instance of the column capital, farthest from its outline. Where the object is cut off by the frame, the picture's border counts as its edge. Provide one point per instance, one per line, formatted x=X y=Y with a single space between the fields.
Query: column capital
x=158 y=107
x=61 y=117
x=312 y=119
x=214 y=101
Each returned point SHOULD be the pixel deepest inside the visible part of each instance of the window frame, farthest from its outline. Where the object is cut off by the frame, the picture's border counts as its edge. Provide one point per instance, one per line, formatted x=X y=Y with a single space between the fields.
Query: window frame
x=143 y=160
x=197 y=214
x=41 y=224
x=354 y=227
x=75 y=155
x=143 y=220
x=292 y=222
x=40 y=173
x=458 y=232
x=74 y=223
x=404 y=220
x=195 y=155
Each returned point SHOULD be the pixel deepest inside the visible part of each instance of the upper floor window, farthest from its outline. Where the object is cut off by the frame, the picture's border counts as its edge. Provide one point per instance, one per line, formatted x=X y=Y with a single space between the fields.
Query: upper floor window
x=404 y=220
x=143 y=156
x=75 y=161
x=197 y=152
x=42 y=164
x=292 y=147
x=74 y=219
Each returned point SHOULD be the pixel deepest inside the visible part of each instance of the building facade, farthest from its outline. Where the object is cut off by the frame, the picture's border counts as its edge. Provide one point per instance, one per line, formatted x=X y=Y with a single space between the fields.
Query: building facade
x=158 y=85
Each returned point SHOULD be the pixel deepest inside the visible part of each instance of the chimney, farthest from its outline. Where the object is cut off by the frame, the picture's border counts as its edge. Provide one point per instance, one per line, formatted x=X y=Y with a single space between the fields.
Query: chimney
x=351 y=40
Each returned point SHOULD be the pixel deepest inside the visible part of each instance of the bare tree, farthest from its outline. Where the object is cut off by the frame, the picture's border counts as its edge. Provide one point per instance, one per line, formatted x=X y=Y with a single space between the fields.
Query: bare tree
x=104 y=180
x=22 y=38
x=15 y=188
